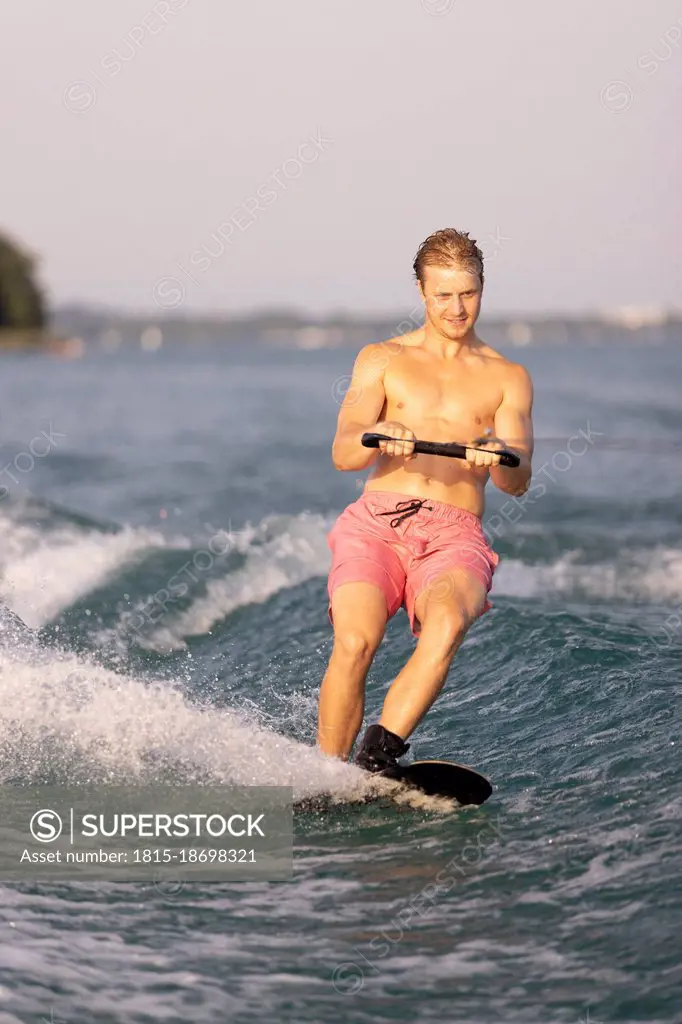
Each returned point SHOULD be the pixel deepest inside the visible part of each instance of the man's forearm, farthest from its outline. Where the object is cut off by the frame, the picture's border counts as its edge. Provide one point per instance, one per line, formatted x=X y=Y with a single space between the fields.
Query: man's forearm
x=347 y=451
x=513 y=481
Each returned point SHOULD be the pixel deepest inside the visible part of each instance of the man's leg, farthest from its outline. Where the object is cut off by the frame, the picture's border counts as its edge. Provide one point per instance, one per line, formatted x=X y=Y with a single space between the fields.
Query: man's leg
x=446 y=609
x=359 y=615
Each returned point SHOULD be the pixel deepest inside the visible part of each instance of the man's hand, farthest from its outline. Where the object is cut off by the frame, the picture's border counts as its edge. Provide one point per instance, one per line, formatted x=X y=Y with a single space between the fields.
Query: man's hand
x=487 y=458
x=403 y=439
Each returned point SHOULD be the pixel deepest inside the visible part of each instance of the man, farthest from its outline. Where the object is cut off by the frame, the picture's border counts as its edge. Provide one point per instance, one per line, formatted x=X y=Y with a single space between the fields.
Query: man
x=414 y=537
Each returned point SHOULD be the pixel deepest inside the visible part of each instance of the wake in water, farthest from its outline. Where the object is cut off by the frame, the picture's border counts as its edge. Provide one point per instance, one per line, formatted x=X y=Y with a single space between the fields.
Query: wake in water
x=49 y=560
x=66 y=718
x=161 y=591
x=280 y=552
x=645 y=576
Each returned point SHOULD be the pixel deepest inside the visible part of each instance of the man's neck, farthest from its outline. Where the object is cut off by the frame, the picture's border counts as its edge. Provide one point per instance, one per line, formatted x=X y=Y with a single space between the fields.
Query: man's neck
x=447 y=348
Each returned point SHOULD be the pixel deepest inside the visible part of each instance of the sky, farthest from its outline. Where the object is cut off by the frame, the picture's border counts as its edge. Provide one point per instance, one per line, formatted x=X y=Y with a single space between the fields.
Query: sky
x=203 y=156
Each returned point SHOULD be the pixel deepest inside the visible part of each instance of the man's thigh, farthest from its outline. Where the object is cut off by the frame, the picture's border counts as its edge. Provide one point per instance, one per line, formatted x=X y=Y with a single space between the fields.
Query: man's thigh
x=454 y=577
x=455 y=598
x=359 y=608
x=361 y=557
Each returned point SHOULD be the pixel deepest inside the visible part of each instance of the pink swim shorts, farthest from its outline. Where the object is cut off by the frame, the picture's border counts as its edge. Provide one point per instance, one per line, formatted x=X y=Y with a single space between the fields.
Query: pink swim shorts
x=402 y=544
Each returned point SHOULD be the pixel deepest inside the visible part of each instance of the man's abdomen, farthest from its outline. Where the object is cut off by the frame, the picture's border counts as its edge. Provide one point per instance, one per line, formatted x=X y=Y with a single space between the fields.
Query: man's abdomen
x=431 y=476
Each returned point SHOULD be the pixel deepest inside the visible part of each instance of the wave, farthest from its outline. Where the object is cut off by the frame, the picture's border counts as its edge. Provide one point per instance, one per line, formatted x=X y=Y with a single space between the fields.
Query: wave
x=299 y=554
x=282 y=552
x=638 y=576
x=67 y=720
x=47 y=567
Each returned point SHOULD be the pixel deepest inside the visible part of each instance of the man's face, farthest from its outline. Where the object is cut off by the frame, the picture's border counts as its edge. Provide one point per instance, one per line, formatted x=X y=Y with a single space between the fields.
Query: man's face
x=453 y=300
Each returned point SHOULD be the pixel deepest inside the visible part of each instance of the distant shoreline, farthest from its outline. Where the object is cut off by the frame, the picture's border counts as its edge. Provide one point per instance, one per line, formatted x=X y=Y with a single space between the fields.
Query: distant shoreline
x=74 y=328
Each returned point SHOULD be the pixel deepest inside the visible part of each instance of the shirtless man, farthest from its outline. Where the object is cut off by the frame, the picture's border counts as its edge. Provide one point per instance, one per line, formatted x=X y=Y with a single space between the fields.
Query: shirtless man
x=414 y=537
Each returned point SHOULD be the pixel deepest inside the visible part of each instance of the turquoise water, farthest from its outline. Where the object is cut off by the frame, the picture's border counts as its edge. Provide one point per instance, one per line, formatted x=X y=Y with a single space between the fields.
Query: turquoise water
x=558 y=901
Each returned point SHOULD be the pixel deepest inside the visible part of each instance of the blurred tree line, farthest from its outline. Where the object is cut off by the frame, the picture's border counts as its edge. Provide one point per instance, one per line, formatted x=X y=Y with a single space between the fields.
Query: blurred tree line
x=22 y=305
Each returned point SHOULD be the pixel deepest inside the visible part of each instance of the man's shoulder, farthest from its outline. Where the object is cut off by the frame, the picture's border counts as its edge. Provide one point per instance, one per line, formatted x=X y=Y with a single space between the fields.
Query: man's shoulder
x=401 y=342
x=516 y=381
x=386 y=350
x=508 y=368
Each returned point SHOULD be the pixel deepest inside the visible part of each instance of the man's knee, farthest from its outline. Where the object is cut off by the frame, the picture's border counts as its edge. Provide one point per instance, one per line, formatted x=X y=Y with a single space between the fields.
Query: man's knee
x=446 y=626
x=453 y=624
x=354 y=645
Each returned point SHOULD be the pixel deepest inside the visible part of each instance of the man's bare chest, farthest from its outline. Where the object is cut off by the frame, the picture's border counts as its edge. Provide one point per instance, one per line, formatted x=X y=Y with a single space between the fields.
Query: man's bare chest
x=450 y=395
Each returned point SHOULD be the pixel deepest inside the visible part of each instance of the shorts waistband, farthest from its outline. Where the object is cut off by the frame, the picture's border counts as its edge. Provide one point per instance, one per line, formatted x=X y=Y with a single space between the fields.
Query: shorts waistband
x=386 y=500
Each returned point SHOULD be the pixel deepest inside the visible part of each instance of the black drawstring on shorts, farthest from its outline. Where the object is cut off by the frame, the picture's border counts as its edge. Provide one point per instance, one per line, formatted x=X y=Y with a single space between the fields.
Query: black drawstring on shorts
x=407 y=509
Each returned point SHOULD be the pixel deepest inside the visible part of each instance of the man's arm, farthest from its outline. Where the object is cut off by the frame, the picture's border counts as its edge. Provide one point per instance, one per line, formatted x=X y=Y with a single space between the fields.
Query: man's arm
x=514 y=425
x=360 y=411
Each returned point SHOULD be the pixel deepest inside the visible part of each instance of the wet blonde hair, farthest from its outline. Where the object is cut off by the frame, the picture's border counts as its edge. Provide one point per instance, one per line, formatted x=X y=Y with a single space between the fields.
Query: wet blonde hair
x=447 y=248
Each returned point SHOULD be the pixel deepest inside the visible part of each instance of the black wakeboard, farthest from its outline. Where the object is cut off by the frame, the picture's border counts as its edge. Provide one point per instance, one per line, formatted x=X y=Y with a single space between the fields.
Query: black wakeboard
x=446 y=779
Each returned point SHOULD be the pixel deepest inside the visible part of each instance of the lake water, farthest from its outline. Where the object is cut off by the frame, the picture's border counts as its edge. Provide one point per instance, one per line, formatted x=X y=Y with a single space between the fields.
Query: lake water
x=558 y=901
